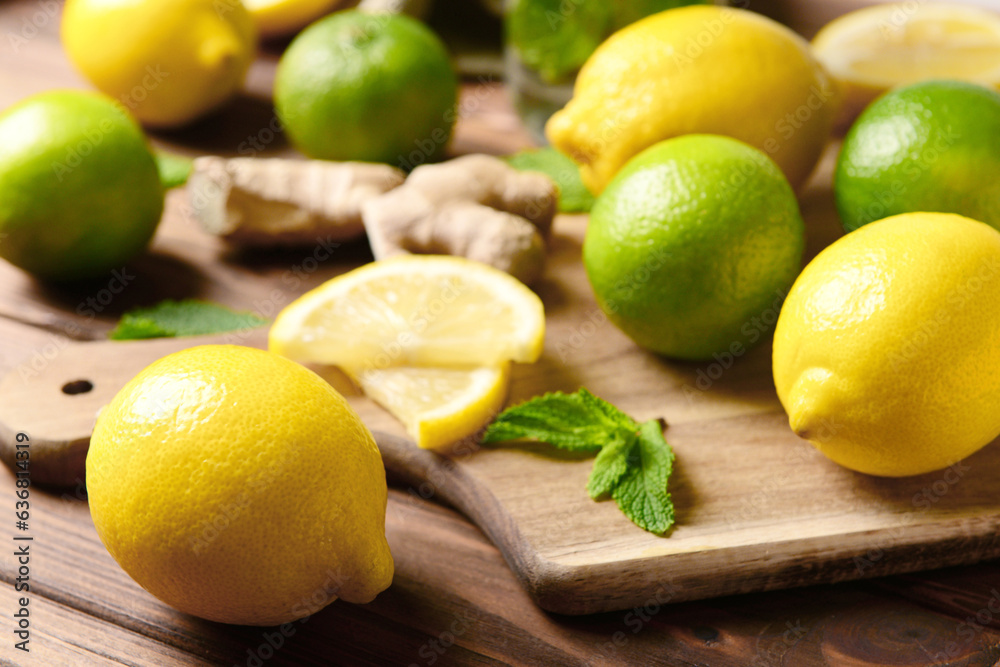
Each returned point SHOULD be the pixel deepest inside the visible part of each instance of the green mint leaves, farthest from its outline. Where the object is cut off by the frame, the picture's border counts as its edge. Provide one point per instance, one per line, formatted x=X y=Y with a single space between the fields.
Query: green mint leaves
x=574 y=197
x=634 y=461
x=190 y=317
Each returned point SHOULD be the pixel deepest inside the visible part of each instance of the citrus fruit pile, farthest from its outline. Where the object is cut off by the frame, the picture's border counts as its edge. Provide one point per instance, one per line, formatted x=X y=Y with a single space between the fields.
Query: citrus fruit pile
x=692 y=128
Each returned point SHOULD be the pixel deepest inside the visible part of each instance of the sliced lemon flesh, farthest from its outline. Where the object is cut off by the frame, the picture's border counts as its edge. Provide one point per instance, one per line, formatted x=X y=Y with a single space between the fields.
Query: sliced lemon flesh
x=880 y=47
x=414 y=310
x=438 y=406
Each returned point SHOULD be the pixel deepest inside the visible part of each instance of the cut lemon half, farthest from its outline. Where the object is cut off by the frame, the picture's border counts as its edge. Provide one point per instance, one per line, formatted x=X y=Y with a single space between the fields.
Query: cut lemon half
x=877 y=48
x=438 y=406
x=413 y=310
x=283 y=17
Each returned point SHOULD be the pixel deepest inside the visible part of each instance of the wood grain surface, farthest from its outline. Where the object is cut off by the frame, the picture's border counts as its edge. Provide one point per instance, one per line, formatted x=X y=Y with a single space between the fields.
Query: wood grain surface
x=454 y=600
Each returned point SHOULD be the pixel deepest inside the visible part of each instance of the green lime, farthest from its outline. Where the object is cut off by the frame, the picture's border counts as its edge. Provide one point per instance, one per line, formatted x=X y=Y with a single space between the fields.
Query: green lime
x=555 y=37
x=929 y=147
x=79 y=189
x=693 y=246
x=367 y=87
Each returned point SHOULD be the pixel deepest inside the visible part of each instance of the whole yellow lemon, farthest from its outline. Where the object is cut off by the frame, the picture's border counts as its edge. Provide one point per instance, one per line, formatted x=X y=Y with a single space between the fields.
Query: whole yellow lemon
x=697 y=70
x=886 y=350
x=168 y=61
x=238 y=486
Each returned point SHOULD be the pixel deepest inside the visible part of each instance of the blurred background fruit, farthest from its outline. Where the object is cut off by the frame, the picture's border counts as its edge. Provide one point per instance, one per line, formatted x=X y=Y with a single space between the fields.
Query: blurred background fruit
x=931 y=146
x=693 y=245
x=885 y=353
x=545 y=46
x=697 y=69
x=80 y=192
x=368 y=87
x=222 y=430
x=274 y=18
x=168 y=61
x=877 y=48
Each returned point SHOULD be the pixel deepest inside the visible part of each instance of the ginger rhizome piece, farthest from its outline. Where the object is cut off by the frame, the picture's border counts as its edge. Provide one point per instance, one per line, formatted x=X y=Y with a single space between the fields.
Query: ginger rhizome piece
x=474 y=206
x=275 y=201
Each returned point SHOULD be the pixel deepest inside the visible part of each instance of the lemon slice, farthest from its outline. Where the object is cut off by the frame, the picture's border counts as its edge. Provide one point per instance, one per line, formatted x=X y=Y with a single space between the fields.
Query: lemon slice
x=283 y=17
x=438 y=406
x=880 y=47
x=414 y=310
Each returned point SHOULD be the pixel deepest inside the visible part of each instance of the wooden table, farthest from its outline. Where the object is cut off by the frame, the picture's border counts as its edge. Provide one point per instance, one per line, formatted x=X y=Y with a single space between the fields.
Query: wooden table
x=453 y=599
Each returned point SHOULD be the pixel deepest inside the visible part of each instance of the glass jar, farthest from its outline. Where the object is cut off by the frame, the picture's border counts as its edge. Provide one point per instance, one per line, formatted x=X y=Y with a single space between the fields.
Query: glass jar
x=547 y=41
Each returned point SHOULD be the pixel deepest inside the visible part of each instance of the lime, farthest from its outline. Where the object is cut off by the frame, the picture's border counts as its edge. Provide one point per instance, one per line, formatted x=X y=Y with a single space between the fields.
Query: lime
x=168 y=61
x=79 y=189
x=885 y=353
x=932 y=146
x=238 y=486
x=367 y=87
x=692 y=247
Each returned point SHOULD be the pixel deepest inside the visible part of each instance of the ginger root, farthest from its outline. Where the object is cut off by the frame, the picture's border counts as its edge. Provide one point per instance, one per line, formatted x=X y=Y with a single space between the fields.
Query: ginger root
x=275 y=201
x=474 y=206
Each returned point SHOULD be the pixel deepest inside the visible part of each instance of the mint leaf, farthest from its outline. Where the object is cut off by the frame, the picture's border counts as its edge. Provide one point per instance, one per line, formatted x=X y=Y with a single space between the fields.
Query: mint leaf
x=574 y=197
x=610 y=466
x=634 y=463
x=641 y=493
x=174 y=169
x=564 y=420
x=182 y=318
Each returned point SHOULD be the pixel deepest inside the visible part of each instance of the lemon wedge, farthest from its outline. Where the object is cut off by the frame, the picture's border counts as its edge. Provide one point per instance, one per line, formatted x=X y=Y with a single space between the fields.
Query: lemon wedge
x=873 y=49
x=413 y=310
x=438 y=406
x=283 y=17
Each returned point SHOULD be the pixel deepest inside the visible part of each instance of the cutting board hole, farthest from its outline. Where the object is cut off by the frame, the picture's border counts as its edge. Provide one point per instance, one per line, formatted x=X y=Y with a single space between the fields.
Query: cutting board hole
x=77 y=387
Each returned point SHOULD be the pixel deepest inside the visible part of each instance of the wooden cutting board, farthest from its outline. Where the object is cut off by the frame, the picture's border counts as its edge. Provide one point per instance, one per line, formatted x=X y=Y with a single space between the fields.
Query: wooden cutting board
x=757 y=508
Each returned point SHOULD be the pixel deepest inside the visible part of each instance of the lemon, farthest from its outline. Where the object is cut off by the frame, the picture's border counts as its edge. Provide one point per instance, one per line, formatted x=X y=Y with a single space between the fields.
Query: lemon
x=273 y=18
x=886 y=350
x=932 y=146
x=168 y=61
x=697 y=70
x=413 y=310
x=367 y=87
x=693 y=245
x=877 y=48
x=80 y=193
x=236 y=485
x=439 y=406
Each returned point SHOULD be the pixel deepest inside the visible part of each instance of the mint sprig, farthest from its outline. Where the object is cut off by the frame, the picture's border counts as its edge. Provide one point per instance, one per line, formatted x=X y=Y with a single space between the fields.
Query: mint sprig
x=634 y=461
